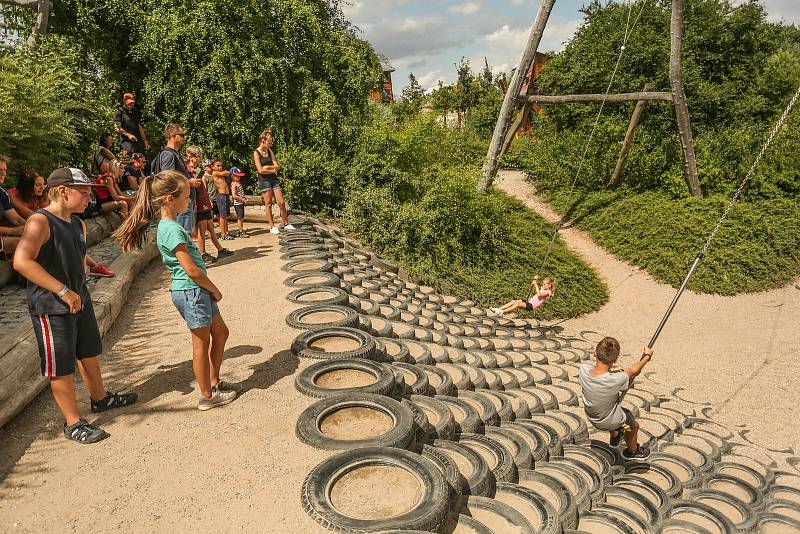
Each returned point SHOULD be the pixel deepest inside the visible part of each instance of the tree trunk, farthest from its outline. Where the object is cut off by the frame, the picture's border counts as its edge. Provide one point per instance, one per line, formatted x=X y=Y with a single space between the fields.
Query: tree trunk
x=679 y=99
x=522 y=117
x=510 y=98
x=626 y=144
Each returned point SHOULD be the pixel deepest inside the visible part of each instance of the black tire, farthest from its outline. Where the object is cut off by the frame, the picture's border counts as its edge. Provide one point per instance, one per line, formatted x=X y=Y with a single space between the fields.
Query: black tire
x=313 y=280
x=379 y=327
x=420 y=353
x=429 y=512
x=458 y=375
x=595 y=485
x=547 y=433
x=635 y=522
x=602 y=522
x=564 y=396
x=521 y=453
x=476 y=481
x=507 y=379
x=319 y=295
x=448 y=468
x=591 y=459
x=493 y=381
x=612 y=455
x=308 y=266
x=306 y=381
x=666 y=480
x=306 y=255
x=736 y=487
x=635 y=505
x=443 y=426
x=302 y=344
x=523 y=377
x=533 y=402
x=576 y=423
x=514 y=520
x=684 y=509
x=484 y=407
x=699 y=459
x=299 y=318
x=501 y=404
x=555 y=493
x=465 y=416
x=541 y=376
x=770 y=522
x=568 y=476
x=648 y=490
x=416 y=381
x=519 y=406
x=401 y=434
x=464 y=523
x=558 y=426
x=422 y=427
x=681 y=468
x=396 y=350
x=534 y=441
x=744 y=473
x=503 y=469
x=439 y=382
x=746 y=520
x=389 y=312
x=539 y=512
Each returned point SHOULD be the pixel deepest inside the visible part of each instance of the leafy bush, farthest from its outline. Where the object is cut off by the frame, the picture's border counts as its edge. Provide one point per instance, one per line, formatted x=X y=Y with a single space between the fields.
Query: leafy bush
x=756 y=249
x=52 y=107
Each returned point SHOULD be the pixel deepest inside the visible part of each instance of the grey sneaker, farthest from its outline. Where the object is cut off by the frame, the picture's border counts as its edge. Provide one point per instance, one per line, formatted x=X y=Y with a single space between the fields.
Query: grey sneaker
x=83 y=432
x=226 y=386
x=218 y=398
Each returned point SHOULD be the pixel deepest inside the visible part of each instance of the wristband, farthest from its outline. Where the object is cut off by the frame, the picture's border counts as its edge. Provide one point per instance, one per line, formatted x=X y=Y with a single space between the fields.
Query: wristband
x=63 y=291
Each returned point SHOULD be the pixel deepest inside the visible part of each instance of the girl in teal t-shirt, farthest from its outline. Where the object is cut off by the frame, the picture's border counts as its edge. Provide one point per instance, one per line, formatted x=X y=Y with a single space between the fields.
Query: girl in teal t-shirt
x=193 y=293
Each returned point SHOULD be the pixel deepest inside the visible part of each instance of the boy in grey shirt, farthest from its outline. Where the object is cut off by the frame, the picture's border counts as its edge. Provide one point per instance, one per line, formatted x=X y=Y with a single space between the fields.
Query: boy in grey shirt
x=602 y=393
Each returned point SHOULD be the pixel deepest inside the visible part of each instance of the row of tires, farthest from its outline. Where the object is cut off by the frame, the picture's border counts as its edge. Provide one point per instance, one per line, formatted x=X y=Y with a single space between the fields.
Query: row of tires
x=516 y=462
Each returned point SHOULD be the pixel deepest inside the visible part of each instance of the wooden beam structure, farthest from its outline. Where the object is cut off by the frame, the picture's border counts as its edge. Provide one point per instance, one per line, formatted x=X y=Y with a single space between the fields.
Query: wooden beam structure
x=510 y=99
x=591 y=98
x=679 y=98
x=502 y=137
x=42 y=8
x=628 y=141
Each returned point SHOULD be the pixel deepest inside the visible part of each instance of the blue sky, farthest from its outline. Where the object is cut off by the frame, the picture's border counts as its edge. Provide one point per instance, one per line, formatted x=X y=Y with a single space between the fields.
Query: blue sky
x=427 y=37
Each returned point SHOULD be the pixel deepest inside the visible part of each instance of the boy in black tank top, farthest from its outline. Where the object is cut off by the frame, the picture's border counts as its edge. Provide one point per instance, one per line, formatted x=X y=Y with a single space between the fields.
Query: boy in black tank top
x=51 y=256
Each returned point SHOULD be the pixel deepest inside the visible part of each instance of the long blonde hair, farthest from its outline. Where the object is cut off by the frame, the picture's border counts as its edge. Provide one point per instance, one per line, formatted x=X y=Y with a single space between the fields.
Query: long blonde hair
x=152 y=194
x=552 y=283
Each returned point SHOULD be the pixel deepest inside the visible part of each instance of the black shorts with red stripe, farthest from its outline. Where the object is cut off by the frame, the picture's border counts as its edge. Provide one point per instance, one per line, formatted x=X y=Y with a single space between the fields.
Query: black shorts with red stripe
x=64 y=339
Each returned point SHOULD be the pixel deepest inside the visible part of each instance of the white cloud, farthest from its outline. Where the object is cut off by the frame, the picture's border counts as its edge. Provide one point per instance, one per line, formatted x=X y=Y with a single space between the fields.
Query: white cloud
x=466 y=9
x=787 y=11
x=431 y=79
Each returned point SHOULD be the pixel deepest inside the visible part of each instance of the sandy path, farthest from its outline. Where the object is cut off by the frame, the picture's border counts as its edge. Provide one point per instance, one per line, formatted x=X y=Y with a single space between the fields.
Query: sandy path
x=168 y=467
x=738 y=354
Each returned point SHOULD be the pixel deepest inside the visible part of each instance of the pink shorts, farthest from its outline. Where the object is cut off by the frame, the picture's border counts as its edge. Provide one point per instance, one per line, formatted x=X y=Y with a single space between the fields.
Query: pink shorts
x=534 y=303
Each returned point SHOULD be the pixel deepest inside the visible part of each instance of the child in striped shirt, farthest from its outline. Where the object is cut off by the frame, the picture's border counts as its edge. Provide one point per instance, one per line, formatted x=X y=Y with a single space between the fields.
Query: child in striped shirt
x=237 y=192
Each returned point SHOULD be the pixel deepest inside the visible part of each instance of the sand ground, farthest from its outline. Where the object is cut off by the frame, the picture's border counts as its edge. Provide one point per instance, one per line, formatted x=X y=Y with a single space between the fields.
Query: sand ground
x=170 y=468
x=733 y=356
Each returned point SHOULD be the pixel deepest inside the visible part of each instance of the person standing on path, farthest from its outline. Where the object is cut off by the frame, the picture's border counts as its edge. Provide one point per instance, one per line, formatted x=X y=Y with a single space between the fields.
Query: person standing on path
x=193 y=293
x=52 y=255
x=204 y=214
x=169 y=159
x=128 y=124
x=267 y=168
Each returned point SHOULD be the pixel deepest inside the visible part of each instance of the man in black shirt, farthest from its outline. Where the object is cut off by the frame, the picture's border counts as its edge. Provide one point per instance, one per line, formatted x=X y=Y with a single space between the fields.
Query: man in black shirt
x=170 y=160
x=127 y=122
x=134 y=175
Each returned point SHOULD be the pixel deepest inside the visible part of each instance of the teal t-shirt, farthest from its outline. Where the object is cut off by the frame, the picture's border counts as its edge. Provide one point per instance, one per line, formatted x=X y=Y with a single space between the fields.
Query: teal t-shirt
x=170 y=235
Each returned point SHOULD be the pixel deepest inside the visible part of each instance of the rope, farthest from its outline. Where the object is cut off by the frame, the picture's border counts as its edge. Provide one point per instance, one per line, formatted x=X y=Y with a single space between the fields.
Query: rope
x=628 y=32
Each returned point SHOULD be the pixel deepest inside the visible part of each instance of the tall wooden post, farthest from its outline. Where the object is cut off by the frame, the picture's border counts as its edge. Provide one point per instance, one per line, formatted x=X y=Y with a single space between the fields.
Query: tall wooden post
x=679 y=99
x=628 y=142
x=510 y=98
x=42 y=17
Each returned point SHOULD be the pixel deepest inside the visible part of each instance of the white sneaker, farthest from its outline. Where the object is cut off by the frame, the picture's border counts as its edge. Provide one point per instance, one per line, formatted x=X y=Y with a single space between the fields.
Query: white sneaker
x=497 y=311
x=288 y=227
x=218 y=398
x=274 y=230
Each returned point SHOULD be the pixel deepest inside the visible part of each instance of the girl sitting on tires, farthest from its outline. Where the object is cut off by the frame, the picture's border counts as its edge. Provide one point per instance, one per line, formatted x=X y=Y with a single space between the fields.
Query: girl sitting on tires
x=540 y=296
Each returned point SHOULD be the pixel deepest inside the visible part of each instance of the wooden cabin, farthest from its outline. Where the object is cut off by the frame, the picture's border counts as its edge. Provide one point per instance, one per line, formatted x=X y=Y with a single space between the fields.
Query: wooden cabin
x=382 y=92
x=531 y=78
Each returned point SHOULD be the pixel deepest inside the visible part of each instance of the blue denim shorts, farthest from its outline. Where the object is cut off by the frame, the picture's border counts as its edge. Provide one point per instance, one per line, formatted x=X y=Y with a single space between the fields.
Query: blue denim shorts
x=187 y=219
x=195 y=306
x=268 y=185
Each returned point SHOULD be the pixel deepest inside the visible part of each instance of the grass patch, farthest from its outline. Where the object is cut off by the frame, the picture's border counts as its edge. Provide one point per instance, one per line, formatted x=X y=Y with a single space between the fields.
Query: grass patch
x=757 y=248
x=481 y=247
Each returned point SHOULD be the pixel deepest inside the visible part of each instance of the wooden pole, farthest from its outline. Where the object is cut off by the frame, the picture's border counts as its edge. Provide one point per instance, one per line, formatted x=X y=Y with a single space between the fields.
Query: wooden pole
x=679 y=99
x=510 y=98
x=628 y=141
x=590 y=98
x=42 y=17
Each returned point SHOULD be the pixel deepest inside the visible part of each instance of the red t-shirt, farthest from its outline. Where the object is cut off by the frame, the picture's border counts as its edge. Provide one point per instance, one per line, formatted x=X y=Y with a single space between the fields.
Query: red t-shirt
x=103 y=193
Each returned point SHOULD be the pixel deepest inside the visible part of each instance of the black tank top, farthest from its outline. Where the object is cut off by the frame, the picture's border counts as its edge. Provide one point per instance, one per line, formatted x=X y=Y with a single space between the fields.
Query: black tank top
x=62 y=257
x=266 y=161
